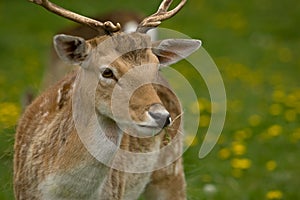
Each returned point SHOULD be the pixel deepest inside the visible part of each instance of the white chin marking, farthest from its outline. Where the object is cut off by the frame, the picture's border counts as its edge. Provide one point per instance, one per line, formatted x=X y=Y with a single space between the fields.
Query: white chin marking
x=140 y=130
x=145 y=131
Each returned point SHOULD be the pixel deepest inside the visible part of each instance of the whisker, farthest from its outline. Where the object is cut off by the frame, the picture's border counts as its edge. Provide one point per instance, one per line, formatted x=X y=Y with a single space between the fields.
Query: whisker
x=177 y=117
x=173 y=129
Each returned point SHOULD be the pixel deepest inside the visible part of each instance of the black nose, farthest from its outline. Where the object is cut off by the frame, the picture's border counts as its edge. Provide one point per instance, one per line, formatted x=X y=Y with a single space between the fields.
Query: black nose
x=160 y=115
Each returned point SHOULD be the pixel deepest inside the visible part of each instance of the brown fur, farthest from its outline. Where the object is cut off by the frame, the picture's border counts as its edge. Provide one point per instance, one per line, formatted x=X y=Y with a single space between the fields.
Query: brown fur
x=47 y=143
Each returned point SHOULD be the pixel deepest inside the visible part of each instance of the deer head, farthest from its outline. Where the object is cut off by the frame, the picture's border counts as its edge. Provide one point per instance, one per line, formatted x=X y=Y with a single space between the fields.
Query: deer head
x=127 y=63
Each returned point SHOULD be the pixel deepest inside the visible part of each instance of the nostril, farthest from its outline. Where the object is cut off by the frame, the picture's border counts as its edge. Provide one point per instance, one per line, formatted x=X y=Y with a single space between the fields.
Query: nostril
x=168 y=121
x=160 y=115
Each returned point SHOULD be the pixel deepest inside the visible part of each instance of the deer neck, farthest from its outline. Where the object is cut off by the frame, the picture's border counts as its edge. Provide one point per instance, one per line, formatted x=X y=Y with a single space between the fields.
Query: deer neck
x=110 y=128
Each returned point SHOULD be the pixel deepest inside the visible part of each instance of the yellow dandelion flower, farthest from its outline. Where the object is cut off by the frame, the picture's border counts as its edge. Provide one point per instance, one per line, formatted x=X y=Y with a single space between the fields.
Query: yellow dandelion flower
x=235 y=105
x=190 y=140
x=291 y=100
x=278 y=96
x=254 y=120
x=271 y=165
x=274 y=194
x=204 y=105
x=194 y=107
x=239 y=23
x=275 y=109
x=295 y=136
x=297 y=93
x=274 y=130
x=206 y=178
x=241 y=135
x=238 y=148
x=297 y=107
x=224 y=153
x=290 y=115
x=241 y=163
x=237 y=173
x=204 y=120
x=9 y=113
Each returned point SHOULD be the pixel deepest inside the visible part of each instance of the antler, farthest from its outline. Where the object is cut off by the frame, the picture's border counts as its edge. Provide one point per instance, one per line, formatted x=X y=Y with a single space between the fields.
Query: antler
x=107 y=26
x=161 y=14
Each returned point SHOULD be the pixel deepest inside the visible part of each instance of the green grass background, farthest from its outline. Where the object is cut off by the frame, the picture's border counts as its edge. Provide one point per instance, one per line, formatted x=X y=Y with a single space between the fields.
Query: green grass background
x=256 y=47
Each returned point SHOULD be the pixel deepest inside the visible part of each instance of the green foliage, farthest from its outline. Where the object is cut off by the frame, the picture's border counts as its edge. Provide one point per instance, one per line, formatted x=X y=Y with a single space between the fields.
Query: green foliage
x=255 y=45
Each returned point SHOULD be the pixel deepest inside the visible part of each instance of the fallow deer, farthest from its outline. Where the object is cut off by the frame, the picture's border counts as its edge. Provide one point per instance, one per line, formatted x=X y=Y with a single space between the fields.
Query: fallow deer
x=58 y=154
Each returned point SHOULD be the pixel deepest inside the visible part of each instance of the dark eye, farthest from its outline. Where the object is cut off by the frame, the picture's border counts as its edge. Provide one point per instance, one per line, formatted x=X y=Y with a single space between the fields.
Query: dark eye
x=107 y=73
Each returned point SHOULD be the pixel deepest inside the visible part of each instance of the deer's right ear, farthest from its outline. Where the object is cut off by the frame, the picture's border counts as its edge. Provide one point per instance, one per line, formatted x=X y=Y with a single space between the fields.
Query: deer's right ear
x=71 y=49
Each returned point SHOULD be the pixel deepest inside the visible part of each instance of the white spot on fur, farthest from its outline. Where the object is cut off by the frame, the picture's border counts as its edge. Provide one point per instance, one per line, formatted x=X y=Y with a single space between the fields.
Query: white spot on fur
x=44 y=103
x=176 y=170
x=45 y=114
x=59 y=95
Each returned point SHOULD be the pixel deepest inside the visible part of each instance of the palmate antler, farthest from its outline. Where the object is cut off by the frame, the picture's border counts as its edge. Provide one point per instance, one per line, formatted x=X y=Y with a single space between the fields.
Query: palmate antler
x=107 y=26
x=161 y=14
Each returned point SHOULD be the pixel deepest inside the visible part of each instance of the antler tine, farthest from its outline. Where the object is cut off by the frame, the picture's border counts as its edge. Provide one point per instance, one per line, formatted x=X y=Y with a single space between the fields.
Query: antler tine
x=107 y=26
x=164 y=6
x=161 y=14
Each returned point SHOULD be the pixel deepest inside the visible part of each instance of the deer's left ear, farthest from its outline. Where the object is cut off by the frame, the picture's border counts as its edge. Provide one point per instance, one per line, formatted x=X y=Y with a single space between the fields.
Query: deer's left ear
x=71 y=49
x=170 y=51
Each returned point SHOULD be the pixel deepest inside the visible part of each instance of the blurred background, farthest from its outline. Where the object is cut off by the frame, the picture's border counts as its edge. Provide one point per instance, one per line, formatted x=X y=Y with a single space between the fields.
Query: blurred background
x=255 y=45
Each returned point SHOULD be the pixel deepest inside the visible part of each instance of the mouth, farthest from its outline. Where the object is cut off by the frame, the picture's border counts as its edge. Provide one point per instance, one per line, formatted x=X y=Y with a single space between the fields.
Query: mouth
x=148 y=130
x=148 y=126
x=141 y=130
